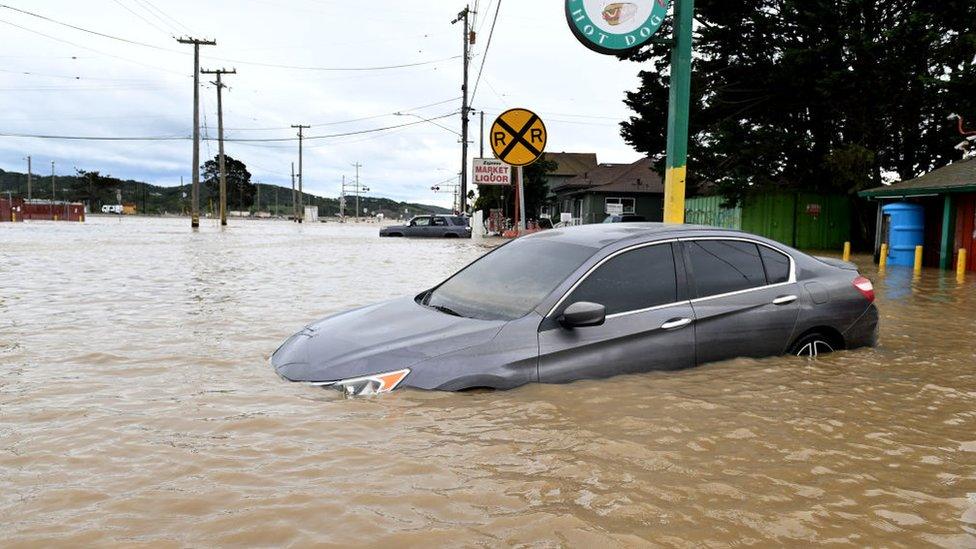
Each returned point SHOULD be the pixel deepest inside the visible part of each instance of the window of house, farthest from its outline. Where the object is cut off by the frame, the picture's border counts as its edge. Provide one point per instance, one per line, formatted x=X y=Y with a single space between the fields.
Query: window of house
x=723 y=266
x=634 y=280
x=629 y=204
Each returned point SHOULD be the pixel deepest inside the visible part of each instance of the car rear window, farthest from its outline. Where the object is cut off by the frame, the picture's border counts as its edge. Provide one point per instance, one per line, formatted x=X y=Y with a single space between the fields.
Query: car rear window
x=777 y=265
x=723 y=266
x=634 y=280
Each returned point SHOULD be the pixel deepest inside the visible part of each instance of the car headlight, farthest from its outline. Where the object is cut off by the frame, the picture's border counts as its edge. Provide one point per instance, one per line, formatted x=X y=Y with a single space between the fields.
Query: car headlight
x=371 y=385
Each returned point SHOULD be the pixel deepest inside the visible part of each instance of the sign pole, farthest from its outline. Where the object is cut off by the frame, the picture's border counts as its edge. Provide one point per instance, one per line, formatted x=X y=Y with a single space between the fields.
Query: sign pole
x=521 y=199
x=680 y=98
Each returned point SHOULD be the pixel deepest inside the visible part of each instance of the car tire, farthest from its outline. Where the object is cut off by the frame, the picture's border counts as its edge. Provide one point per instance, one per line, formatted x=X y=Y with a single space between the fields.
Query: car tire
x=394 y=235
x=812 y=346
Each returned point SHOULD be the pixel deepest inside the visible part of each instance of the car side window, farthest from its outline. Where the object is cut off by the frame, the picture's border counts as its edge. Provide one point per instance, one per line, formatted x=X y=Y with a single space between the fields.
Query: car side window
x=420 y=222
x=439 y=222
x=634 y=280
x=777 y=265
x=723 y=266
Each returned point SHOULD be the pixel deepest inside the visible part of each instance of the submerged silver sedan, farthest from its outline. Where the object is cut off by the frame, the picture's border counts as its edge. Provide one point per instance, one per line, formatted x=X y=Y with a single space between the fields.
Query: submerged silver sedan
x=592 y=302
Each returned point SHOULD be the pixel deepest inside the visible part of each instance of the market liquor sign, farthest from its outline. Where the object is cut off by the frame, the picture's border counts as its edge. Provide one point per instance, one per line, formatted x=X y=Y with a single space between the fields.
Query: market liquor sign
x=615 y=27
x=489 y=171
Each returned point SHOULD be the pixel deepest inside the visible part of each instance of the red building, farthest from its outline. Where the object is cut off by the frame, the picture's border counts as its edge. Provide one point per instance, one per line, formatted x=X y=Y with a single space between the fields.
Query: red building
x=18 y=209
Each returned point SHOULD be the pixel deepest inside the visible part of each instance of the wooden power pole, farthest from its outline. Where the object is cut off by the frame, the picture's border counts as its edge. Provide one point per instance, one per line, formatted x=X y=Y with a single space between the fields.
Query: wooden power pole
x=220 y=133
x=468 y=40
x=301 y=172
x=294 y=199
x=195 y=192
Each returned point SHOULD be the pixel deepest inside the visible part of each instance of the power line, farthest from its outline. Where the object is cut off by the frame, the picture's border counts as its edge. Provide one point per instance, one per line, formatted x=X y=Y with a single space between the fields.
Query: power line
x=147 y=65
x=351 y=120
x=148 y=22
x=336 y=69
x=187 y=138
x=96 y=33
x=484 y=56
x=344 y=134
x=240 y=61
x=166 y=15
x=97 y=138
x=153 y=14
x=68 y=77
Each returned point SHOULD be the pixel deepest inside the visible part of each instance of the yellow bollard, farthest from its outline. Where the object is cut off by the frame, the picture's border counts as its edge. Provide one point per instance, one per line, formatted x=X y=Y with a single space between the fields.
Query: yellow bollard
x=847 y=251
x=918 y=259
x=961 y=265
x=13 y=217
x=883 y=260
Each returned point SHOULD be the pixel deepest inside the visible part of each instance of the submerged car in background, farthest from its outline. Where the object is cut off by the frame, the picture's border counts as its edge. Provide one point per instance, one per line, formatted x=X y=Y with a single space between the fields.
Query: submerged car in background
x=431 y=226
x=592 y=302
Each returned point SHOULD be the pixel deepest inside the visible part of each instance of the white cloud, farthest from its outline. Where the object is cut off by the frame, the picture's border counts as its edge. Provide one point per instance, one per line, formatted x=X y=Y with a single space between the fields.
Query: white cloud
x=126 y=90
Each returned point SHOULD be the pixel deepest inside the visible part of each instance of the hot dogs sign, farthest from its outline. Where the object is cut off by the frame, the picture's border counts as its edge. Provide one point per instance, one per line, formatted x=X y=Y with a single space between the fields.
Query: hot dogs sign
x=612 y=27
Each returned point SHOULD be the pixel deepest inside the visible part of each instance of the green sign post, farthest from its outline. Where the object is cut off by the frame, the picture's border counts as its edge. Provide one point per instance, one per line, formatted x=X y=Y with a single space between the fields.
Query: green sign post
x=615 y=28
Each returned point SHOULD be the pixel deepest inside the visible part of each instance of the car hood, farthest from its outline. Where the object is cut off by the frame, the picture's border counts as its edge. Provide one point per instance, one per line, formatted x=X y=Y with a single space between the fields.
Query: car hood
x=376 y=339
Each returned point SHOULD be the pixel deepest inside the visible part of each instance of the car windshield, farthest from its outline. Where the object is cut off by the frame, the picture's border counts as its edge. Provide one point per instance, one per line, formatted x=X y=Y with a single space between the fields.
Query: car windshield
x=509 y=282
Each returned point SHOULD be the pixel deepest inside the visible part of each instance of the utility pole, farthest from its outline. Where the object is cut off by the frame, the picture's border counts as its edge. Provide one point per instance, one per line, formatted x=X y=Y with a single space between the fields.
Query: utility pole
x=195 y=201
x=277 y=212
x=220 y=132
x=301 y=171
x=680 y=96
x=257 y=210
x=482 y=153
x=53 y=190
x=468 y=40
x=29 y=177
x=342 y=201
x=294 y=200
x=357 y=165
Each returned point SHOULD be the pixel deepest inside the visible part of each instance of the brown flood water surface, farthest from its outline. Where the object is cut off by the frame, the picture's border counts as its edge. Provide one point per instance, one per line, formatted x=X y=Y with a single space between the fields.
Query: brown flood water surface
x=137 y=407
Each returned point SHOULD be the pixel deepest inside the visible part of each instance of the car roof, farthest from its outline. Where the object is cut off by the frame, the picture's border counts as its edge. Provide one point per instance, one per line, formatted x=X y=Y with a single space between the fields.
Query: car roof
x=602 y=235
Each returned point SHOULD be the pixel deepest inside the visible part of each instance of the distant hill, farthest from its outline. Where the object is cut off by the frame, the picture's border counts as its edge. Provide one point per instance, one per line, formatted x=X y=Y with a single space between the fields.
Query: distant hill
x=155 y=199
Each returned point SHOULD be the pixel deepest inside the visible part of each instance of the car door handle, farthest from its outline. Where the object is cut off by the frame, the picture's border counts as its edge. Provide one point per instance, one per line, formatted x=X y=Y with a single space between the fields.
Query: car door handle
x=784 y=300
x=676 y=323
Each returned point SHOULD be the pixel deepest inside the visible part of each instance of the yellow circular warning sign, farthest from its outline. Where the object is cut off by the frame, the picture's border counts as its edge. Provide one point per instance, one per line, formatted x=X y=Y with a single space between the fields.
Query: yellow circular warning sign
x=518 y=137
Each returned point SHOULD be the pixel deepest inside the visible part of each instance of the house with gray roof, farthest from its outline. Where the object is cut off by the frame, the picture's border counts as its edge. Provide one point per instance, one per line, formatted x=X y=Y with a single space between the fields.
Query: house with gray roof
x=947 y=197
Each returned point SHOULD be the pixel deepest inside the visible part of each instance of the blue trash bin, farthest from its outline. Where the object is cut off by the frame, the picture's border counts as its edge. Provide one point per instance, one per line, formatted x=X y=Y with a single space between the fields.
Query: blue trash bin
x=905 y=223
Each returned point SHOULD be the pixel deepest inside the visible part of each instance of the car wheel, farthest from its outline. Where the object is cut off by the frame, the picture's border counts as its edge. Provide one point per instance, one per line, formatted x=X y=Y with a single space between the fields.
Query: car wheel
x=812 y=346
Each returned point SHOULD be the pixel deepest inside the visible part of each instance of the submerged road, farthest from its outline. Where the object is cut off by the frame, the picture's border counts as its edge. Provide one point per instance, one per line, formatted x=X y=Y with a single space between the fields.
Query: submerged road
x=137 y=406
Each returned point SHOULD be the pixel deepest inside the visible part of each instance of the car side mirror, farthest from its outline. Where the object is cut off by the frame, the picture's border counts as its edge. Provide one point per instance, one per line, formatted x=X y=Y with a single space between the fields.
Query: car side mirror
x=583 y=314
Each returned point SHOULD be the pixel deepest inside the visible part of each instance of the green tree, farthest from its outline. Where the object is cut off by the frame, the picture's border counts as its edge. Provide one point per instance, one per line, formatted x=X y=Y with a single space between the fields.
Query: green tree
x=240 y=190
x=818 y=95
x=94 y=188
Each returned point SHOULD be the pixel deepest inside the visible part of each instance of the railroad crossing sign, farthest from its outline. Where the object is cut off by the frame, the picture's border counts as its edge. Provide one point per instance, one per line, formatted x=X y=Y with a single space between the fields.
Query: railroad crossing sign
x=518 y=137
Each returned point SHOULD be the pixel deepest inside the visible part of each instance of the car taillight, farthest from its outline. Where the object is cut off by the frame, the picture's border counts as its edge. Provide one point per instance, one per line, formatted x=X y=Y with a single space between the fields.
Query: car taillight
x=864 y=286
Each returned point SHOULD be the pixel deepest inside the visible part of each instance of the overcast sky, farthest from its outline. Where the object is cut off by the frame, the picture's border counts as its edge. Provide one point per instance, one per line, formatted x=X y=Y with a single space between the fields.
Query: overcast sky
x=86 y=85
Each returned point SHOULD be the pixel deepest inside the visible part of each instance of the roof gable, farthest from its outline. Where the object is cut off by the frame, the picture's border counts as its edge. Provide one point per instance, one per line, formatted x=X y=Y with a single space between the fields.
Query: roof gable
x=956 y=177
x=639 y=177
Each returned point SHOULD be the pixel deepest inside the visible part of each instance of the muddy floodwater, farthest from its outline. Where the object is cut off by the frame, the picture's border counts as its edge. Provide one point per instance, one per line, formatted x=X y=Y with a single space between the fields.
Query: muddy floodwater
x=137 y=407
